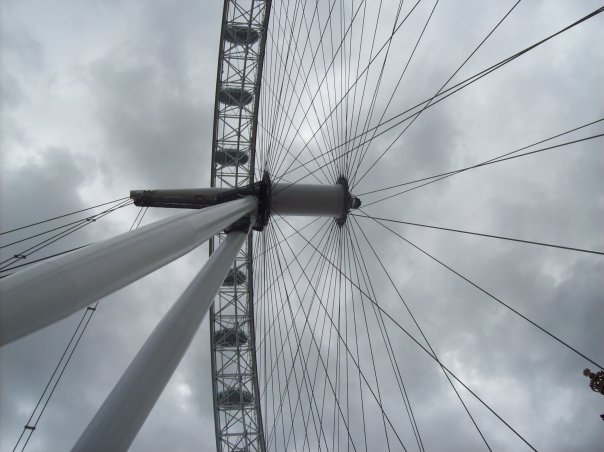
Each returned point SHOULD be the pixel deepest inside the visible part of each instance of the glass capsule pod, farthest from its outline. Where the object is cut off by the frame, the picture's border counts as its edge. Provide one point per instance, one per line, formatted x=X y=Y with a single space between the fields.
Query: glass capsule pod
x=230 y=157
x=234 y=96
x=234 y=275
x=241 y=34
x=230 y=337
x=234 y=398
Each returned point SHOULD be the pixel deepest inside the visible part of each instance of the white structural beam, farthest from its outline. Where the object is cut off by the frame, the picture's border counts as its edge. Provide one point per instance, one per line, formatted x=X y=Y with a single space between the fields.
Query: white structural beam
x=47 y=292
x=123 y=413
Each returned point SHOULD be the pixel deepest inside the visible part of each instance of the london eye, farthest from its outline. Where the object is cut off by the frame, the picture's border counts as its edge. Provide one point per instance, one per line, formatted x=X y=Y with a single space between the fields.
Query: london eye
x=401 y=213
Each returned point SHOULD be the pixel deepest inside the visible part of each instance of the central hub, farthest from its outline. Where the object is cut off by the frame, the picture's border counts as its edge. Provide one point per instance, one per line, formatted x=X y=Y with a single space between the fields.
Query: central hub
x=273 y=199
x=305 y=200
x=351 y=202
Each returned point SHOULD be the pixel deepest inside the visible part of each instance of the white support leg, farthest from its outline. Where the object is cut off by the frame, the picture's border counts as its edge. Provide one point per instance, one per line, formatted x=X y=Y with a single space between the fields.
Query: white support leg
x=123 y=413
x=50 y=291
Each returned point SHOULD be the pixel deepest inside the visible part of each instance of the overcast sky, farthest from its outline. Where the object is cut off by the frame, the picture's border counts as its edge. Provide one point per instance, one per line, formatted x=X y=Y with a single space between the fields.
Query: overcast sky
x=101 y=97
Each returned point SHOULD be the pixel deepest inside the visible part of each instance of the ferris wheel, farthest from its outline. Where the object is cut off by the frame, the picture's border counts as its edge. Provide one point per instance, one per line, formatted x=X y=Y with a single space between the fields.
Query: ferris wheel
x=324 y=120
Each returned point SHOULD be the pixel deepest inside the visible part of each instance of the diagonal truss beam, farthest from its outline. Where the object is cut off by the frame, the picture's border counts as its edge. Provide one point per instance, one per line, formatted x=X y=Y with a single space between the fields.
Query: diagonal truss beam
x=52 y=290
x=123 y=413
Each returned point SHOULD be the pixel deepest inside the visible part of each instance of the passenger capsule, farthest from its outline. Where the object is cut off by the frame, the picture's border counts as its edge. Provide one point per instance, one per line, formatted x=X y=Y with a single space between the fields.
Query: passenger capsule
x=233 y=398
x=241 y=34
x=234 y=275
x=234 y=96
x=230 y=157
x=230 y=337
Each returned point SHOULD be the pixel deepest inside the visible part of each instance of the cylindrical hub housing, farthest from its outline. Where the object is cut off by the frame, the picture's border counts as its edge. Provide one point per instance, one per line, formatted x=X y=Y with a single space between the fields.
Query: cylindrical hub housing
x=309 y=200
x=279 y=198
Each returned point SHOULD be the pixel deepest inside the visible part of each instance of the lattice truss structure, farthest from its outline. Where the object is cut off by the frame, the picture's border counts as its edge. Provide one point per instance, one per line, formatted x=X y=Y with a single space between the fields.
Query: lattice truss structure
x=237 y=415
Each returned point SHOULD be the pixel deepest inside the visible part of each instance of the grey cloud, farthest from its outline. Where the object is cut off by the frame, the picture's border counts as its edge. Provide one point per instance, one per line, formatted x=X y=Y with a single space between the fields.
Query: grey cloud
x=58 y=174
x=149 y=126
x=151 y=93
x=20 y=49
x=13 y=95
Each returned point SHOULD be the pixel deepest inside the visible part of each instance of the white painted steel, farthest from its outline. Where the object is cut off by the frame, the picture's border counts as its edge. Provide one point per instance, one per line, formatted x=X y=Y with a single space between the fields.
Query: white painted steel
x=180 y=192
x=285 y=199
x=123 y=413
x=308 y=200
x=47 y=292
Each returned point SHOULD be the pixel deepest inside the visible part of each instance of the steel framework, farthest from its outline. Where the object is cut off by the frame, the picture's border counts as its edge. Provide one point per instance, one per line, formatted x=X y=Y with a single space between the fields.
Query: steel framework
x=40 y=295
x=46 y=293
x=237 y=415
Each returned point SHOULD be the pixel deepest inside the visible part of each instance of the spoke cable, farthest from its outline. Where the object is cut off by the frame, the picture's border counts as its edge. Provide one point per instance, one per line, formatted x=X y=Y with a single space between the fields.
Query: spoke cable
x=422 y=333
x=493 y=297
x=450 y=173
x=346 y=345
x=49 y=241
x=392 y=319
x=361 y=268
x=299 y=342
x=454 y=89
x=480 y=234
x=427 y=105
x=489 y=162
x=61 y=366
x=329 y=238
x=64 y=215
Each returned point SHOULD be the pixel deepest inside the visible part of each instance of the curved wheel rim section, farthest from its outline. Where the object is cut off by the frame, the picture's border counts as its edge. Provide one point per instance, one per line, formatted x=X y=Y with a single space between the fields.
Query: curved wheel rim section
x=237 y=415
